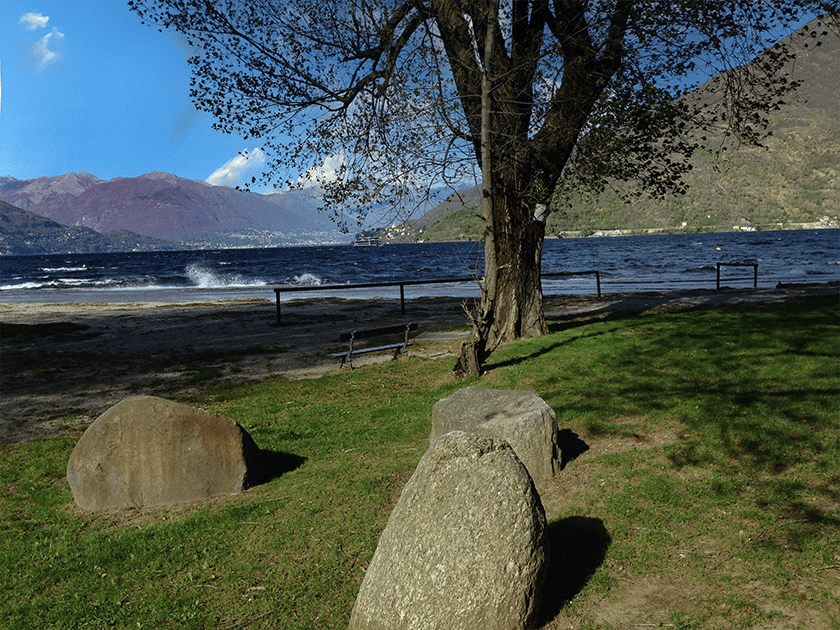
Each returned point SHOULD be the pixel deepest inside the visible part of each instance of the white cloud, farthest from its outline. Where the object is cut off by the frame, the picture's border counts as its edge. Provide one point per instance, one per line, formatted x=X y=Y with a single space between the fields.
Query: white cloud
x=326 y=173
x=33 y=21
x=232 y=170
x=42 y=52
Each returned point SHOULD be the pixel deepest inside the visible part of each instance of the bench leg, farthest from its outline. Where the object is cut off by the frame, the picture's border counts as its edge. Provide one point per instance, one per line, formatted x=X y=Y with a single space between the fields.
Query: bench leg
x=350 y=353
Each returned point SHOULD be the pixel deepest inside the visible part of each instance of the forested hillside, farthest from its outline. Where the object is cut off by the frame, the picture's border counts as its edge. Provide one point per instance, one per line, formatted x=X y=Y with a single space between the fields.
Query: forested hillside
x=790 y=182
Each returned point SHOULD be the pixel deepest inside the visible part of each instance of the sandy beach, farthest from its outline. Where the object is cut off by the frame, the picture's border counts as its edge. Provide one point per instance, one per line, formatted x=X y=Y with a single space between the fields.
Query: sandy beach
x=60 y=361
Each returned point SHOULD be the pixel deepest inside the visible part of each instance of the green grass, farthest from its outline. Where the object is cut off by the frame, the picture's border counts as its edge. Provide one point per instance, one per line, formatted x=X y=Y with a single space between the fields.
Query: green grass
x=712 y=480
x=745 y=407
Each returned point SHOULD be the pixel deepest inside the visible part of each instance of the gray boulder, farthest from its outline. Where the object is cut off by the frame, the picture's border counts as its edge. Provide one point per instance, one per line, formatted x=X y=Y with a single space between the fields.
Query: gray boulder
x=464 y=548
x=149 y=451
x=522 y=418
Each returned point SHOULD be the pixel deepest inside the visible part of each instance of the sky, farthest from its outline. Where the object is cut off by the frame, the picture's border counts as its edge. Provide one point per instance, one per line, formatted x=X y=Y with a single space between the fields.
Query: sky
x=86 y=87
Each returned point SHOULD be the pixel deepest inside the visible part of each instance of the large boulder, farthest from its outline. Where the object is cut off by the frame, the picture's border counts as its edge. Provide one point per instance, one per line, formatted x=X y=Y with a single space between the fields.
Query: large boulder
x=150 y=451
x=464 y=548
x=522 y=418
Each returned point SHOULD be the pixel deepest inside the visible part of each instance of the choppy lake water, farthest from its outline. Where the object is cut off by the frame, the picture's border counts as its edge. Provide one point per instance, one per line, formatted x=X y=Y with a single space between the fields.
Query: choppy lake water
x=626 y=263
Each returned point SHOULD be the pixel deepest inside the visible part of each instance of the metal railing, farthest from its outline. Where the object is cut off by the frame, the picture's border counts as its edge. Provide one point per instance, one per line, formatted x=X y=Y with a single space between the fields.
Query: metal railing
x=404 y=283
x=736 y=264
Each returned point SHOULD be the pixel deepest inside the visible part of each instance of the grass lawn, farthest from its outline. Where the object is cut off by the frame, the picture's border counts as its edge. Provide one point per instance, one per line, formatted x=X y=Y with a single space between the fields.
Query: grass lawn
x=709 y=496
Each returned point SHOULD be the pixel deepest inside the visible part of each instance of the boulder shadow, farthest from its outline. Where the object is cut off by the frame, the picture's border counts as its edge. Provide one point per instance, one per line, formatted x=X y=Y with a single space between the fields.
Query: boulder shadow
x=571 y=446
x=578 y=547
x=275 y=464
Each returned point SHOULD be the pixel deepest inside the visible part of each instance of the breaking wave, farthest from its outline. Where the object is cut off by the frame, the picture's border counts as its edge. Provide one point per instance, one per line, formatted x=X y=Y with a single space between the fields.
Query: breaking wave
x=204 y=277
x=308 y=279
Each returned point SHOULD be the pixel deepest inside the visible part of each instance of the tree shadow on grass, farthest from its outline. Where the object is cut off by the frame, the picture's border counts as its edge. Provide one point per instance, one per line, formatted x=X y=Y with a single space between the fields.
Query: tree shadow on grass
x=578 y=547
x=276 y=463
x=546 y=350
x=561 y=323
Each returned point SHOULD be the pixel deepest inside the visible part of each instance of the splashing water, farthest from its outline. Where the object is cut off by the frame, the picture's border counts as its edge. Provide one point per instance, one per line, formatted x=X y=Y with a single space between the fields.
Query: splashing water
x=204 y=277
x=308 y=279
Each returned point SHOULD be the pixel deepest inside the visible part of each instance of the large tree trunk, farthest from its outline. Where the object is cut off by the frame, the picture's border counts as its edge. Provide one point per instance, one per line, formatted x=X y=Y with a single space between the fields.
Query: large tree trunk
x=511 y=297
x=511 y=293
x=517 y=304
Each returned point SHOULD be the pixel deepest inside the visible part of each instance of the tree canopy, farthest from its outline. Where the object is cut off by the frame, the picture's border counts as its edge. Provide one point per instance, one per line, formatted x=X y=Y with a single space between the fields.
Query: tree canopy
x=378 y=101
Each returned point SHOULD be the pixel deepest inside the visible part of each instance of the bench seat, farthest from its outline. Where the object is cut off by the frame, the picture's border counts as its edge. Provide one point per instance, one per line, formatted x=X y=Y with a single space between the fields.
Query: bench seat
x=370 y=333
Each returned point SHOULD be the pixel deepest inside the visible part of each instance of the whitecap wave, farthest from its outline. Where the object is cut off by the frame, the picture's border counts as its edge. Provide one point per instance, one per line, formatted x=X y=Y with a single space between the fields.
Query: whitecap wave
x=204 y=277
x=22 y=285
x=308 y=279
x=59 y=283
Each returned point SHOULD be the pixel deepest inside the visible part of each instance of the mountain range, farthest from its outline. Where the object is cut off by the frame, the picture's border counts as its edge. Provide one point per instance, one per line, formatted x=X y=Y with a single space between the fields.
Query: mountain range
x=162 y=210
x=24 y=233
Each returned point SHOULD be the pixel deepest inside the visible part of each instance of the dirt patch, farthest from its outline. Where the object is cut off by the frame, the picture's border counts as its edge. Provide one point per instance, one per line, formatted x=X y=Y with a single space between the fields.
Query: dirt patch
x=64 y=364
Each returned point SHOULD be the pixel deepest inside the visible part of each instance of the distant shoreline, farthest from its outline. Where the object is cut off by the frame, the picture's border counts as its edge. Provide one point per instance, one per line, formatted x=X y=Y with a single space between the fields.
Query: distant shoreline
x=191 y=246
x=826 y=224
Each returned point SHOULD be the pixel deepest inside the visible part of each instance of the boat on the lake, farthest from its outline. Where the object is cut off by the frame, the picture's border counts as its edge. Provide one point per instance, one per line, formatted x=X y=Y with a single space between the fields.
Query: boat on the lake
x=366 y=240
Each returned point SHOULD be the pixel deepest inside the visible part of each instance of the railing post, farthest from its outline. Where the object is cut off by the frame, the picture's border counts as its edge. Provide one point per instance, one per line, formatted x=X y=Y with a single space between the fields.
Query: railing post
x=402 y=298
x=598 y=281
x=277 y=299
x=755 y=276
x=718 y=276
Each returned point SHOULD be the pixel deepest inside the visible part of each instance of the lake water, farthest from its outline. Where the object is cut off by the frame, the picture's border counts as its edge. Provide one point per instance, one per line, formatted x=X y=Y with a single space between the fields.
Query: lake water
x=626 y=263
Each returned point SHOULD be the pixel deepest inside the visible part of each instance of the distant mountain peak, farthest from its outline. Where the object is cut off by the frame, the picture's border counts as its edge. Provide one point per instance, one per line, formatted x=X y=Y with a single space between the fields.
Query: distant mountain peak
x=165 y=206
x=169 y=177
x=31 y=192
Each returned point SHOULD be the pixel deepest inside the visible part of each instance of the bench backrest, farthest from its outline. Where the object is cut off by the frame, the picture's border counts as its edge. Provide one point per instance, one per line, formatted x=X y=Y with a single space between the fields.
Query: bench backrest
x=377 y=332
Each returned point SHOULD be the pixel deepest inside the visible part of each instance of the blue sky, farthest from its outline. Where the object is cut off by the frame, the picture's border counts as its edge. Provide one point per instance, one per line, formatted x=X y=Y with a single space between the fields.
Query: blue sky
x=85 y=87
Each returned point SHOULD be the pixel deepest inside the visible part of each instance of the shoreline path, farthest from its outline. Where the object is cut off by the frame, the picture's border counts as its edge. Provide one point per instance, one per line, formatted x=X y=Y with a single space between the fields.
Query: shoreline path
x=75 y=360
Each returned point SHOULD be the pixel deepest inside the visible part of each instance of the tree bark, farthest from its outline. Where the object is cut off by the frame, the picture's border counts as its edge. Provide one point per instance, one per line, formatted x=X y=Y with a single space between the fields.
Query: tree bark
x=518 y=301
x=511 y=297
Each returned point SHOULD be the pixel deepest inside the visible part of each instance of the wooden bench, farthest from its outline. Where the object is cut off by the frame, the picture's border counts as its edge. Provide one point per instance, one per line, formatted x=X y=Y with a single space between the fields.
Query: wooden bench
x=370 y=333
